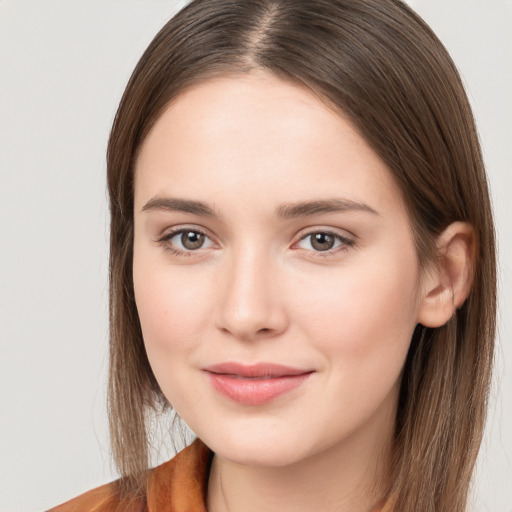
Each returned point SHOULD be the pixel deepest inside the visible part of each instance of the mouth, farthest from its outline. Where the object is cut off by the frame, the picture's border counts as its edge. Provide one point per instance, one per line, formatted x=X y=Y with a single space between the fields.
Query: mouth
x=255 y=384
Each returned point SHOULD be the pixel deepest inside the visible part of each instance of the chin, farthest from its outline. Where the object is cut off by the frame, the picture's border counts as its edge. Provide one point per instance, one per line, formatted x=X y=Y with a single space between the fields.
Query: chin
x=265 y=448
x=259 y=456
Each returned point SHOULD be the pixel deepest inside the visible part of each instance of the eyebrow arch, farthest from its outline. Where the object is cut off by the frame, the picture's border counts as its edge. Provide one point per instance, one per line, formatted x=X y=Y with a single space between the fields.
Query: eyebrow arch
x=305 y=208
x=284 y=211
x=179 y=205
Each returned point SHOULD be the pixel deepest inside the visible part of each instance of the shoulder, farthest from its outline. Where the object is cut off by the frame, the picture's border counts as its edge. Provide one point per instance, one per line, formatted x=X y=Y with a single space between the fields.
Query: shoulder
x=102 y=499
x=179 y=484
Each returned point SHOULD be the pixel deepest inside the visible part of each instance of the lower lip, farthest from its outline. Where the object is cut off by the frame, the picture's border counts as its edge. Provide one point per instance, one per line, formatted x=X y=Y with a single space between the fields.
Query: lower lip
x=255 y=391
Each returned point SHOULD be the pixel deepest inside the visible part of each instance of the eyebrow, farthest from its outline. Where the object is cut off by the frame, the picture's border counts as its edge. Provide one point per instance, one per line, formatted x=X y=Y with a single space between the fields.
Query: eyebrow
x=284 y=211
x=335 y=205
x=179 y=205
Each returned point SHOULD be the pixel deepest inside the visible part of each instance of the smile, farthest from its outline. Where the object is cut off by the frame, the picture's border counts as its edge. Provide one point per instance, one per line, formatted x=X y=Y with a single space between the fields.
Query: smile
x=256 y=384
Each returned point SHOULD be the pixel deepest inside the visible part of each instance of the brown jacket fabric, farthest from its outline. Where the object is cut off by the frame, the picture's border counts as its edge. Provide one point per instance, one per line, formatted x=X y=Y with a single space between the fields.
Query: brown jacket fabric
x=178 y=485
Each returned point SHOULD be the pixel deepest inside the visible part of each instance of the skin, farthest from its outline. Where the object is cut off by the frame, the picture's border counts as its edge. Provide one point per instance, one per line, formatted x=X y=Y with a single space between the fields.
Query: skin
x=257 y=290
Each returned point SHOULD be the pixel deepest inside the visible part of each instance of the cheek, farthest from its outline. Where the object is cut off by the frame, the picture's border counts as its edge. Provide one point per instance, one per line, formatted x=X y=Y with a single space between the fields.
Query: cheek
x=360 y=324
x=172 y=305
x=172 y=311
x=364 y=315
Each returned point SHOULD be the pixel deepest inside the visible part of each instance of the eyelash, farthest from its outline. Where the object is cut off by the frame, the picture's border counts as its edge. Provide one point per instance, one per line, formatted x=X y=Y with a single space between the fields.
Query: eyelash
x=345 y=242
x=164 y=240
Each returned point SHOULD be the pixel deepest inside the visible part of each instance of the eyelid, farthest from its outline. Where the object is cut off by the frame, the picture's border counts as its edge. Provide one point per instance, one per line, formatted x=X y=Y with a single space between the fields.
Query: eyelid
x=173 y=231
x=167 y=235
x=347 y=240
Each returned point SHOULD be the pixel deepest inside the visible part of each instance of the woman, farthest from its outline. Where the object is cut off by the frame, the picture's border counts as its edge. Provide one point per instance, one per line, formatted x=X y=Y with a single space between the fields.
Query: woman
x=302 y=263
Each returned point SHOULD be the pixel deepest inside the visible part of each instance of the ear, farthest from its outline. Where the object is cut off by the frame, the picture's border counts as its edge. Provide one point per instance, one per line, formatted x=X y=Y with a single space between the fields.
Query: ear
x=447 y=284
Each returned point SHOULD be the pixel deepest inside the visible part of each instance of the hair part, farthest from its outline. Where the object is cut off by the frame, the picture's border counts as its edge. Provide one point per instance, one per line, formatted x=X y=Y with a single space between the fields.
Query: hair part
x=380 y=65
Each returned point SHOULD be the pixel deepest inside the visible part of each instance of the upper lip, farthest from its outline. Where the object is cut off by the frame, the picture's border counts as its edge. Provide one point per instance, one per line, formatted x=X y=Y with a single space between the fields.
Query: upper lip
x=269 y=370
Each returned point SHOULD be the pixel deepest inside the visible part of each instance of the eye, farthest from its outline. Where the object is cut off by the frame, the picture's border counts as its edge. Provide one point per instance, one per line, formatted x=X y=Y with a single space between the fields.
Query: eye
x=191 y=240
x=186 y=240
x=323 y=241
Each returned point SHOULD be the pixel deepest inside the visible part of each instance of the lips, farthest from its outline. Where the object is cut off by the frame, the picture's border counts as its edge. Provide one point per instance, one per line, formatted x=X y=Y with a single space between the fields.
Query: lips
x=255 y=384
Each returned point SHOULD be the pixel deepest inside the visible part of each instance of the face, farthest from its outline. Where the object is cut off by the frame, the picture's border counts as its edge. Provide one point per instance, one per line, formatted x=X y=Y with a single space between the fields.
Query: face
x=275 y=272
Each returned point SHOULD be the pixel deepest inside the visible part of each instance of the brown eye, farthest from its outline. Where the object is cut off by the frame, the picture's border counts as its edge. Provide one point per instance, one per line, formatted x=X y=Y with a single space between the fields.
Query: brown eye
x=192 y=240
x=322 y=241
x=185 y=241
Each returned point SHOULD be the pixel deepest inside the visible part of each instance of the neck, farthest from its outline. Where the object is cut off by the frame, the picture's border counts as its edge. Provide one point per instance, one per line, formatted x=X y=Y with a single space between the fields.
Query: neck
x=349 y=477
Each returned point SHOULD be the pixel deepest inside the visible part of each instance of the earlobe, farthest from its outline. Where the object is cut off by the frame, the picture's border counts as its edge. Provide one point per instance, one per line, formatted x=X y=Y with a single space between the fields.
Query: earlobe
x=448 y=283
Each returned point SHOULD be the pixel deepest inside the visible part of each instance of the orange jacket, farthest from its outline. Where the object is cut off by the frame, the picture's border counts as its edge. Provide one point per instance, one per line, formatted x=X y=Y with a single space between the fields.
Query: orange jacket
x=178 y=485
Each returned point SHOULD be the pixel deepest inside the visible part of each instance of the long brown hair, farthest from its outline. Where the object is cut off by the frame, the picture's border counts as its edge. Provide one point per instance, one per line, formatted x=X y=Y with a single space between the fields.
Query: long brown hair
x=381 y=65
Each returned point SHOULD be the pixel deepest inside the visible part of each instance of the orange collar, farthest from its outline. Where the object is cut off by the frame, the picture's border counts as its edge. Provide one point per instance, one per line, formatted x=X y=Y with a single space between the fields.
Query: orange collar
x=181 y=483
x=178 y=485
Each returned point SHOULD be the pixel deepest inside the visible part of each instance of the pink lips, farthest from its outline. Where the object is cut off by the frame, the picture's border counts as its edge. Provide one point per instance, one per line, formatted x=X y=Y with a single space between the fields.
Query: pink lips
x=256 y=384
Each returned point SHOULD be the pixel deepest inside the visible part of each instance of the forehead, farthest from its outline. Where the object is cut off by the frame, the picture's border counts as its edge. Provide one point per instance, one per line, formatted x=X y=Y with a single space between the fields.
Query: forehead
x=259 y=136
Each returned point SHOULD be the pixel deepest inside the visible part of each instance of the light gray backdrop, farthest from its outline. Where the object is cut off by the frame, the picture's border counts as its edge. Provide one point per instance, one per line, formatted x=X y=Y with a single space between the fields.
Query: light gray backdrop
x=63 y=67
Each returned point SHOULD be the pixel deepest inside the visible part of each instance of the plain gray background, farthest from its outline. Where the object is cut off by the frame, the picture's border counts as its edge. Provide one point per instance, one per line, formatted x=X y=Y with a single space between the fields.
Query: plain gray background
x=63 y=67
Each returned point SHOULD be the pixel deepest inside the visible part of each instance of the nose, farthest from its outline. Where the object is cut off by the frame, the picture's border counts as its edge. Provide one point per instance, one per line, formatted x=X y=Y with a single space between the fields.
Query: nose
x=251 y=304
